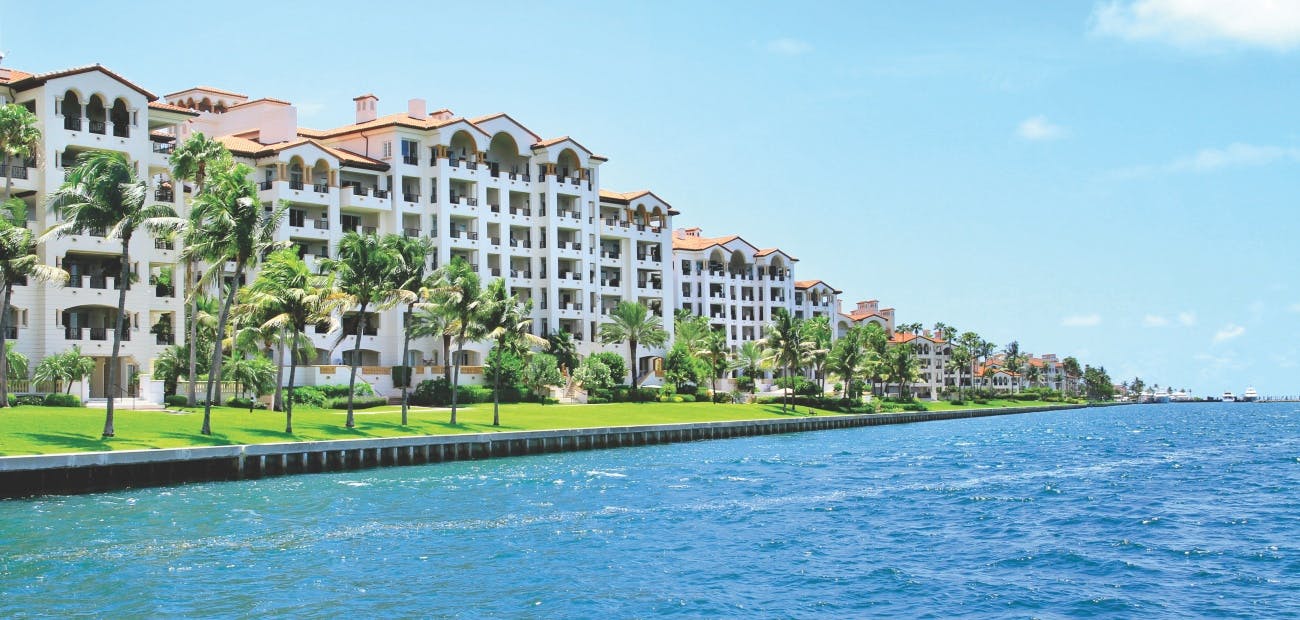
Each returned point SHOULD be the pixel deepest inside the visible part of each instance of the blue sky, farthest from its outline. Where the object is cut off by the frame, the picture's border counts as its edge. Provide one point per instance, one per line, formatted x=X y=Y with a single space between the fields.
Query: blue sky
x=1113 y=180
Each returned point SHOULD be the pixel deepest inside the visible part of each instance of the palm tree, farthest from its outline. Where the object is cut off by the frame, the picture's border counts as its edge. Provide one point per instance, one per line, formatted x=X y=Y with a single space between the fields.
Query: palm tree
x=431 y=321
x=750 y=361
x=235 y=228
x=717 y=355
x=847 y=358
x=876 y=341
x=66 y=367
x=560 y=344
x=362 y=271
x=507 y=323
x=458 y=295
x=901 y=366
x=784 y=346
x=409 y=273
x=18 y=262
x=1034 y=374
x=103 y=191
x=19 y=138
x=817 y=342
x=961 y=358
x=291 y=297
x=632 y=323
x=192 y=160
x=1014 y=362
x=1070 y=366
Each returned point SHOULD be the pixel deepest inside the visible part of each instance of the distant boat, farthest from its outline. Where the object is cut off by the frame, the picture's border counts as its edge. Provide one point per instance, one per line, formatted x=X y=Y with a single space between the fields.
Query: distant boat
x=1249 y=396
x=1229 y=398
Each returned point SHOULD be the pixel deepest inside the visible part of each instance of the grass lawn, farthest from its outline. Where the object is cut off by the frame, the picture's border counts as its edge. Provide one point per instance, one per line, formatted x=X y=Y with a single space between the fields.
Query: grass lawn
x=50 y=430
x=943 y=405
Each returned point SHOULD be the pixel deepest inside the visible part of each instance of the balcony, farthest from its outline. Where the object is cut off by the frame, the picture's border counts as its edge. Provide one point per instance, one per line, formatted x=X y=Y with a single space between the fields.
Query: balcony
x=94 y=333
x=72 y=123
x=13 y=172
x=411 y=160
x=164 y=194
x=164 y=290
x=521 y=273
x=266 y=185
x=520 y=243
x=295 y=184
x=411 y=232
x=411 y=198
x=164 y=148
x=167 y=339
x=320 y=188
x=358 y=197
x=524 y=211
x=99 y=127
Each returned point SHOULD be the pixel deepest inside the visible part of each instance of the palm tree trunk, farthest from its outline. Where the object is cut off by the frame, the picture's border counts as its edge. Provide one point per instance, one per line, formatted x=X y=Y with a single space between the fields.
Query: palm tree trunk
x=194 y=334
x=123 y=280
x=406 y=354
x=277 y=401
x=496 y=394
x=293 y=369
x=214 y=371
x=356 y=356
x=4 y=351
x=455 y=377
x=631 y=362
x=9 y=181
x=446 y=357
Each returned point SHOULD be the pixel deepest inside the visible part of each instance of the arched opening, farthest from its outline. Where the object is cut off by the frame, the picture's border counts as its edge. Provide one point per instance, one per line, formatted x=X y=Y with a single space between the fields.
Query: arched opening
x=220 y=108
x=466 y=357
x=503 y=156
x=296 y=173
x=97 y=114
x=462 y=146
x=737 y=266
x=641 y=218
x=716 y=261
x=189 y=103
x=71 y=107
x=657 y=217
x=365 y=357
x=121 y=118
x=320 y=176
x=567 y=164
x=205 y=105
x=777 y=268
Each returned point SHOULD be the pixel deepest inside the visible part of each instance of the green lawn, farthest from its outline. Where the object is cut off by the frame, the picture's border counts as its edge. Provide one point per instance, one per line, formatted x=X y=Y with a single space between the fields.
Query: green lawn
x=943 y=405
x=50 y=430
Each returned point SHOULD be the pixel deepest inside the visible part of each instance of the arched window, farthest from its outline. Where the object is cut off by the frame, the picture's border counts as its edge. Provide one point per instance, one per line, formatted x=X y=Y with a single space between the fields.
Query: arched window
x=121 y=118
x=97 y=114
x=71 y=108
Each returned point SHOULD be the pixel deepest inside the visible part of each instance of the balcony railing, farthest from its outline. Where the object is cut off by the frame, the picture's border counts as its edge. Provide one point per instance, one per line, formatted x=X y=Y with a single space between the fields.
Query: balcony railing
x=164 y=290
x=520 y=211
x=521 y=273
x=494 y=240
x=99 y=127
x=162 y=244
x=411 y=160
x=411 y=197
x=13 y=172
x=72 y=123
x=295 y=184
x=121 y=130
x=11 y=332
x=411 y=232
x=265 y=185
x=164 y=339
x=164 y=194
x=165 y=148
x=321 y=224
x=380 y=193
x=320 y=188
x=369 y=230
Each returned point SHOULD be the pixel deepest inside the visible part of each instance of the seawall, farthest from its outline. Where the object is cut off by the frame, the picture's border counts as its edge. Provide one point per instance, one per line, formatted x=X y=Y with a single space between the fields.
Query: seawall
x=85 y=472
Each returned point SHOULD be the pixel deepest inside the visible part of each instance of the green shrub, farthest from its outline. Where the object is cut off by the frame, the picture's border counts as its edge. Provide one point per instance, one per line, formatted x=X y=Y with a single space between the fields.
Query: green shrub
x=26 y=399
x=612 y=361
x=61 y=400
x=957 y=401
x=686 y=398
x=913 y=407
x=981 y=401
x=596 y=400
x=437 y=393
x=722 y=397
x=177 y=400
x=358 y=402
x=317 y=395
x=245 y=403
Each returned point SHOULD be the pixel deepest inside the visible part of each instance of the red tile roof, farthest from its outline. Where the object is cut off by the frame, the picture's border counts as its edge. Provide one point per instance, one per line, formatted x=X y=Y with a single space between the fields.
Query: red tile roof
x=208 y=89
x=807 y=284
x=251 y=148
x=32 y=81
x=167 y=107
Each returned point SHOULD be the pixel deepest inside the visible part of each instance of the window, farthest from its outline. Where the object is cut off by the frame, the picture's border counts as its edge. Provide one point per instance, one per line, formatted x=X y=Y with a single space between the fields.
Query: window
x=296 y=217
x=410 y=148
x=388 y=149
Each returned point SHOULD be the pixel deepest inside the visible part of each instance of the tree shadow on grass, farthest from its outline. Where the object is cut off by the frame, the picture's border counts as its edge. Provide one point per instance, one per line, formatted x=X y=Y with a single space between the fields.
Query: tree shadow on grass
x=74 y=442
x=790 y=412
x=198 y=439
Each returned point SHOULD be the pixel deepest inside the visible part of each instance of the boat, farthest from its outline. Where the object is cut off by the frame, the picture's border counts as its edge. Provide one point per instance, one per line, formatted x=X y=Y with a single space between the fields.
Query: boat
x=1250 y=395
x=1229 y=398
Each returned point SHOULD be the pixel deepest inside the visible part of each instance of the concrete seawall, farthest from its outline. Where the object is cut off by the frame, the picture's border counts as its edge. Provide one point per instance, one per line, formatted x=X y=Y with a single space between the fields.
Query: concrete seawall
x=85 y=472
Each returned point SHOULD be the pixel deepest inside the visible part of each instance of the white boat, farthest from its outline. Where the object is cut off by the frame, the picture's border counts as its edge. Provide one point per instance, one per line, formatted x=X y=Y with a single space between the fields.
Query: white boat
x=1229 y=398
x=1250 y=395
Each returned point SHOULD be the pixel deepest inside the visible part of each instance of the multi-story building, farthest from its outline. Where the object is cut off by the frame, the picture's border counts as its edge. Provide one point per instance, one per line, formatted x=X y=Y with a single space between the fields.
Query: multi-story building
x=732 y=282
x=815 y=298
x=487 y=190
x=932 y=356
x=865 y=312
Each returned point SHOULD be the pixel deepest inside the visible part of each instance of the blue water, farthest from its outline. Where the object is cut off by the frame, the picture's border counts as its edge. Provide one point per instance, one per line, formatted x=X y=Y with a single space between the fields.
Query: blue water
x=1143 y=511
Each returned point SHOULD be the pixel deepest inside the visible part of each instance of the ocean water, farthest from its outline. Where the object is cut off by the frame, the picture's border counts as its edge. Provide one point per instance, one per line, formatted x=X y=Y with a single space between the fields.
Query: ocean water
x=1156 y=511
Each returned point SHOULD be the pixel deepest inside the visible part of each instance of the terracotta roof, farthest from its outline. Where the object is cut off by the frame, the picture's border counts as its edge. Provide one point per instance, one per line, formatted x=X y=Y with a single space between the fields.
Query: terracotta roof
x=862 y=316
x=210 y=89
x=766 y=251
x=400 y=119
x=806 y=284
x=251 y=148
x=901 y=337
x=310 y=133
x=701 y=243
x=32 y=81
x=266 y=99
x=15 y=75
x=553 y=141
x=365 y=96
x=167 y=107
x=483 y=119
x=627 y=198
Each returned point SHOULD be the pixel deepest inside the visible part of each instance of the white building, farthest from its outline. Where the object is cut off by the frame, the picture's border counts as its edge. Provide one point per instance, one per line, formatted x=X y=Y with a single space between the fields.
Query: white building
x=486 y=189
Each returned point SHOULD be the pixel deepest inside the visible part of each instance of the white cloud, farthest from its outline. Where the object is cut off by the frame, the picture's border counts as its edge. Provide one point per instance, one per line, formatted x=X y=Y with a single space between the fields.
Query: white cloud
x=1154 y=320
x=1270 y=24
x=1187 y=319
x=1237 y=155
x=1229 y=332
x=1081 y=320
x=1038 y=129
x=1294 y=307
x=788 y=47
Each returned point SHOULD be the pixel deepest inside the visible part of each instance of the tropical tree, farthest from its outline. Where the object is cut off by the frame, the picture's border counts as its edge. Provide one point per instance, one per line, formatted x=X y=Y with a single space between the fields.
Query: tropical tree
x=19 y=138
x=506 y=322
x=560 y=344
x=18 y=263
x=847 y=359
x=750 y=361
x=901 y=367
x=103 y=192
x=254 y=374
x=235 y=229
x=542 y=372
x=458 y=295
x=192 y=160
x=1033 y=373
x=1014 y=361
x=817 y=337
x=785 y=347
x=1070 y=366
x=289 y=297
x=15 y=364
x=409 y=273
x=717 y=355
x=876 y=342
x=633 y=323
x=432 y=321
x=362 y=274
x=961 y=358
x=67 y=367
x=169 y=366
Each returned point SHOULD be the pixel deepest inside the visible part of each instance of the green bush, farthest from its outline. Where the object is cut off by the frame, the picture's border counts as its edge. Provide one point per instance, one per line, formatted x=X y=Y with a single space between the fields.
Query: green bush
x=612 y=361
x=913 y=407
x=61 y=400
x=177 y=400
x=437 y=393
x=245 y=403
x=957 y=401
x=318 y=395
x=802 y=386
x=26 y=399
x=981 y=401
x=722 y=397
x=596 y=400
x=687 y=398
x=358 y=402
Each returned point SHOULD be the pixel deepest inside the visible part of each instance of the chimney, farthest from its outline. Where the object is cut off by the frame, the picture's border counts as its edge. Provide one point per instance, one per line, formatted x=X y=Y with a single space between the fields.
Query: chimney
x=366 y=107
x=415 y=108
